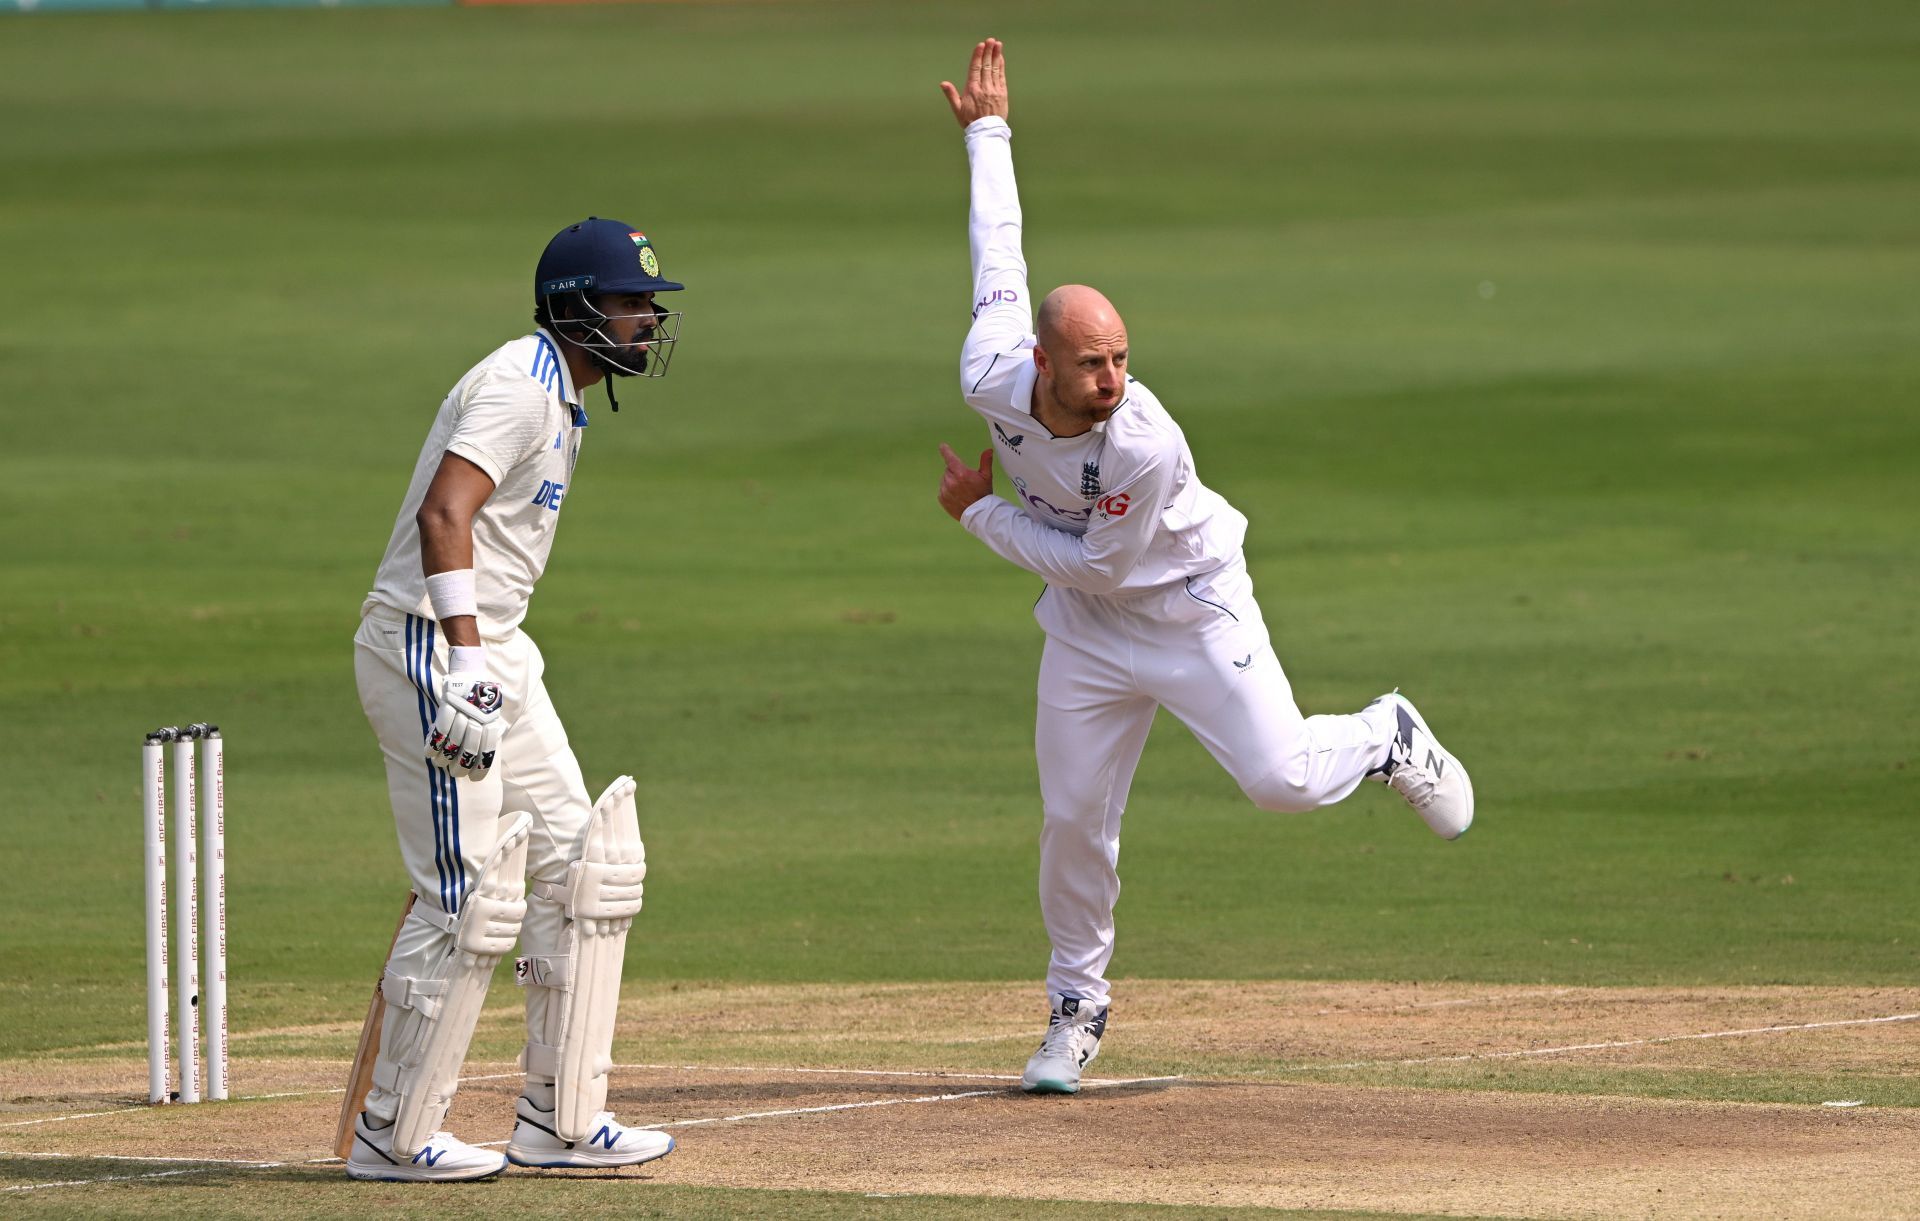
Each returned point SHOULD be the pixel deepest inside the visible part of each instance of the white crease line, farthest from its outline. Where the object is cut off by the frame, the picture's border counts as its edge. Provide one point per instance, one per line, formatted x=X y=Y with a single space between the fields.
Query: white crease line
x=110 y=1178
x=1554 y=1051
x=129 y=1178
x=131 y=1157
x=208 y=1164
x=838 y=1106
x=27 y=1123
x=880 y=1102
x=829 y=1072
x=692 y=1068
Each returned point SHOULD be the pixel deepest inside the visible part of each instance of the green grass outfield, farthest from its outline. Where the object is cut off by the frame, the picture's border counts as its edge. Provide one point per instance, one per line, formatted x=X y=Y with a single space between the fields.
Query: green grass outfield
x=1563 y=357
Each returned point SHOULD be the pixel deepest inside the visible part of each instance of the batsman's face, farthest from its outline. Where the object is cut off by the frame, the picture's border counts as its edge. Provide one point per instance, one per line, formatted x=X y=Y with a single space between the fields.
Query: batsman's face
x=631 y=317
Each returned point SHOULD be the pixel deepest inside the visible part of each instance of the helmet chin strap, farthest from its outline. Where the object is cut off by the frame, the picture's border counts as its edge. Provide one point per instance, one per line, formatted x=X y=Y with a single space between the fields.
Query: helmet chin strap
x=607 y=375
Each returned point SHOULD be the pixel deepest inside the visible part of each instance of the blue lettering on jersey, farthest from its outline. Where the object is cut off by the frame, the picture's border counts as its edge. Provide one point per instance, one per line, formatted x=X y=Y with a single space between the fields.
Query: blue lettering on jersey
x=550 y=494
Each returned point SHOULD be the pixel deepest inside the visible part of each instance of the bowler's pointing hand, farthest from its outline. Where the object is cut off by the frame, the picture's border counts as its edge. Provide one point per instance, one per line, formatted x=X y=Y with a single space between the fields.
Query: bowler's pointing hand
x=961 y=485
x=986 y=92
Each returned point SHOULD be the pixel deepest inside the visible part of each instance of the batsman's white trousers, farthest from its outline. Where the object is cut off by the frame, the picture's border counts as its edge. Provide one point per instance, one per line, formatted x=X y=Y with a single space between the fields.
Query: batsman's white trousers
x=447 y=826
x=1200 y=649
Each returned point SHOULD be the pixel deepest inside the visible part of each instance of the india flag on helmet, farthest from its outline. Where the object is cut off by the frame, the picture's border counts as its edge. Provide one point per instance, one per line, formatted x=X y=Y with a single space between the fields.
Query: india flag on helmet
x=649 y=263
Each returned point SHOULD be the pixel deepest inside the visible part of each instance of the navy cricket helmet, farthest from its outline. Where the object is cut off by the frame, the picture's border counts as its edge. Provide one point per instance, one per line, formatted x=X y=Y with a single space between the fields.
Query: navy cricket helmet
x=582 y=266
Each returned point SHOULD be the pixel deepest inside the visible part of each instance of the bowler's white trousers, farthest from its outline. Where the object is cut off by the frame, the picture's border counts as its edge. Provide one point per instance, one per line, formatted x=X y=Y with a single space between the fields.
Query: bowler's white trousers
x=447 y=826
x=1200 y=649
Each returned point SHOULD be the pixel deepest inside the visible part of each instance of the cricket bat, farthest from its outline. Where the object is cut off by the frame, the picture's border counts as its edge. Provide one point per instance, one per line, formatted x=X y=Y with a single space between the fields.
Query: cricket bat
x=360 y=1079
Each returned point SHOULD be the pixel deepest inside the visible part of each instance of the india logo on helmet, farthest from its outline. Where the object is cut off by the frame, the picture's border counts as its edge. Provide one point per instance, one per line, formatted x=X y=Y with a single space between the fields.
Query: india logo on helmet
x=649 y=262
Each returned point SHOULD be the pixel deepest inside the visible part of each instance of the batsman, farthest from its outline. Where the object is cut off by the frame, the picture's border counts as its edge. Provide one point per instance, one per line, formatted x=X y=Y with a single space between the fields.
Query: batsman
x=500 y=837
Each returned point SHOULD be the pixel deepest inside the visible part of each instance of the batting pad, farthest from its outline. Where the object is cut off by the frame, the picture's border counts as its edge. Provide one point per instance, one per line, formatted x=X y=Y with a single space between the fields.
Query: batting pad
x=601 y=898
x=431 y=1020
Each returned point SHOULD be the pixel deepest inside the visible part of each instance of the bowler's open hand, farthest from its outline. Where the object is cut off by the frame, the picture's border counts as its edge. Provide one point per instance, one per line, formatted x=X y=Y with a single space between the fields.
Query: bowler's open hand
x=961 y=485
x=986 y=92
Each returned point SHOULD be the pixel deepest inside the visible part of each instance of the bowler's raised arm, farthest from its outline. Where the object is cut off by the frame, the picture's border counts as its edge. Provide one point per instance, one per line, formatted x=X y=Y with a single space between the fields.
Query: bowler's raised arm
x=1001 y=303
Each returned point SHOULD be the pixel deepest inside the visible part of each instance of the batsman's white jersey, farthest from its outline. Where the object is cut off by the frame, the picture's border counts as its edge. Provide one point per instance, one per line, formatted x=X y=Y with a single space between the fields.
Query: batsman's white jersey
x=516 y=416
x=1148 y=603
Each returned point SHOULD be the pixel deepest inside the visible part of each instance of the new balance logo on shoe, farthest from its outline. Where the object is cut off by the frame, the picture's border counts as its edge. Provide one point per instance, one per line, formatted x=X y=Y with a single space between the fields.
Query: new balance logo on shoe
x=604 y=1138
x=429 y=1155
x=1433 y=781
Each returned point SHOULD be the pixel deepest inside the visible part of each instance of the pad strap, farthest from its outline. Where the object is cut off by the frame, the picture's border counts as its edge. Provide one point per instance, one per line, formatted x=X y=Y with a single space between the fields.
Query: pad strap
x=426 y=910
x=420 y=995
x=541 y=1059
x=544 y=971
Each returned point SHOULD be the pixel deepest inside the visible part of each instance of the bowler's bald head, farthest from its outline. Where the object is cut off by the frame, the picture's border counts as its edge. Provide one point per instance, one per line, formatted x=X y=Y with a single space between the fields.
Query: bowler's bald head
x=1075 y=315
x=1081 y=358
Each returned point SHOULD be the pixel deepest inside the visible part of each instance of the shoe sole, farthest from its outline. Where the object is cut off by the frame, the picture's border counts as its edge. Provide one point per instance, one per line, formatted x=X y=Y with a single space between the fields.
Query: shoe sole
x=1050 y=1087
x=1466 y=778
x=377 y=1176
x=592 y=1165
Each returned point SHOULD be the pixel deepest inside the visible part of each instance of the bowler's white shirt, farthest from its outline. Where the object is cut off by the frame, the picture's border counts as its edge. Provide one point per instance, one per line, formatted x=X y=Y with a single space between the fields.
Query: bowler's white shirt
x=516 y=416
x=1118 y=509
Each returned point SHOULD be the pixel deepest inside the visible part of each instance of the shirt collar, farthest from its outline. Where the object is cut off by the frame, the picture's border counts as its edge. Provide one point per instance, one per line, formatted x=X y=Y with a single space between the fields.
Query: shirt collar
x=568 y=394
x=1024 y=382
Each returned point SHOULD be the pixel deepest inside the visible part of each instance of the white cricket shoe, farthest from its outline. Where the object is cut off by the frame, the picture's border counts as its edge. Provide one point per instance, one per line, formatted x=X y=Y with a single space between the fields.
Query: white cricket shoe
x=443 y=1159
x=1421 y=770
x=610 y=1143
x=1073 y=1040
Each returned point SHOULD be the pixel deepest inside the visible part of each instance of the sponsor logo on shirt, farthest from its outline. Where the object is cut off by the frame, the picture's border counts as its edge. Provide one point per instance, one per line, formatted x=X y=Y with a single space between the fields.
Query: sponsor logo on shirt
x=1012 y=442
x=550 y=494
x=1113 y=506
x=1040 y=503
x=999 y=296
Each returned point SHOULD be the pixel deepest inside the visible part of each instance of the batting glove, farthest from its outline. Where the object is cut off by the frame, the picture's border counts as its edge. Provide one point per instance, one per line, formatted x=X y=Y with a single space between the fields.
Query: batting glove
x=468 y=729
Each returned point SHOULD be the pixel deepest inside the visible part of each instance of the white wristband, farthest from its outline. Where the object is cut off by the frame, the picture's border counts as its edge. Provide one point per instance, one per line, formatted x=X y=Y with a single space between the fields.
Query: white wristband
x=467 y=659
x=451 y=594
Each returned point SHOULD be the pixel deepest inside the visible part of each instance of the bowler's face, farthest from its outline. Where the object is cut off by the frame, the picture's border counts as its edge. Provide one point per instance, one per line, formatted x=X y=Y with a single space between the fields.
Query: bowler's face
x=1089 y=374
